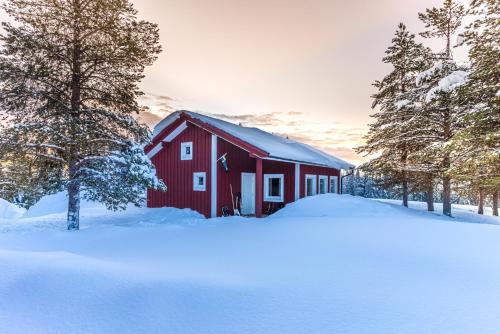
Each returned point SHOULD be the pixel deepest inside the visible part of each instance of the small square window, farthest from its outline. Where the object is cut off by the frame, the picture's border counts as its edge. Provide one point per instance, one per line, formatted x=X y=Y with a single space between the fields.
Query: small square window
x=310 y=185
x=323 y=184
x=199 y=181
x=273 y=187
x=334 y=184
x=187 y=151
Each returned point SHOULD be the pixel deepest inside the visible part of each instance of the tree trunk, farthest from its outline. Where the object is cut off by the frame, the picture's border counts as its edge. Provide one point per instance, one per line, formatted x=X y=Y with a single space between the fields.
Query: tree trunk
x=405 y=179
x=480 y=204
x=446 y=195
x=405 y=193
x=495 y=203
x=446 y=165
x=430 y=194
x=73 y=221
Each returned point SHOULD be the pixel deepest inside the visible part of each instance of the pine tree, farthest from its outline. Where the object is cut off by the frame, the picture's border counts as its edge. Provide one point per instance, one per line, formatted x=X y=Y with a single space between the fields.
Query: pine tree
x=386 y=135
x=69 y=74
x=443 y=22
x=24 y=181
x=479 y=140
x=441 y=112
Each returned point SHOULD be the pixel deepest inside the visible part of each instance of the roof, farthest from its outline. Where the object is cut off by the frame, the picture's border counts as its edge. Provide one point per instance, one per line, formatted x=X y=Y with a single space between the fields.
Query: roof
x=276 y=146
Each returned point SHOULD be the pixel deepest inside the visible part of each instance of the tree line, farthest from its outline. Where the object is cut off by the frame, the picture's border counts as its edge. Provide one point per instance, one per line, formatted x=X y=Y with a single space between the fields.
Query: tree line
x=437 y=120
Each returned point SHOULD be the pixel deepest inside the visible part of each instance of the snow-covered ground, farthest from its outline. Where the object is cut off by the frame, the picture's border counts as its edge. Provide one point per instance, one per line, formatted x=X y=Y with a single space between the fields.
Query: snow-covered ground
x=461 y=212
x=328 y=264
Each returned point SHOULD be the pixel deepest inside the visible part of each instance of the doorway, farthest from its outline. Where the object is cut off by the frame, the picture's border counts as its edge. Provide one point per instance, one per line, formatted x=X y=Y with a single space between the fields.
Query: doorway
x=248 y=193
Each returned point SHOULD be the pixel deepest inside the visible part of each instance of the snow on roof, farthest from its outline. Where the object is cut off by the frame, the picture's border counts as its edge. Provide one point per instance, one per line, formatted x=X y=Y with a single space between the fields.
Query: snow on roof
x=277 y=147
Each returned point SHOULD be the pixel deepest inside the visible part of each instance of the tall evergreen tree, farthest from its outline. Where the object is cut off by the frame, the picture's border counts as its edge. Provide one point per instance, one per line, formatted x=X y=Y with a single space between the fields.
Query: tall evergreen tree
x=386 y=135
x=441 y=113
x=69 y=74
x=479 y=140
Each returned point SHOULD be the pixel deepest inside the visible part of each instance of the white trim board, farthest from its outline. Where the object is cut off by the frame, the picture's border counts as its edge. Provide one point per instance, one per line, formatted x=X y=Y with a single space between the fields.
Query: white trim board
x=297 y=182
x=177 y=131
x=213 y=177
x=155 y=150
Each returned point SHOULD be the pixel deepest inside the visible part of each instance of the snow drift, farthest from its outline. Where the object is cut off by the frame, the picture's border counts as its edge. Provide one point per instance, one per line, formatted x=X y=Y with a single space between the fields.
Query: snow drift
x=327 y=264
x=9 y=210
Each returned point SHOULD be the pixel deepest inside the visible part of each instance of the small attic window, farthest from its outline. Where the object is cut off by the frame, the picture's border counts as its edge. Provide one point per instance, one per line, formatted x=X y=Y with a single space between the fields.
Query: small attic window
x=187 y=151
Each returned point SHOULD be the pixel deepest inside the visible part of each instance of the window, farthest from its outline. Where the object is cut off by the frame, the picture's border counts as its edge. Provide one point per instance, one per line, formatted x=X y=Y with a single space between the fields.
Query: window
x=334 y=181
x=187 y=151
x=200 y=181
x=323 y=184
x=274 y=187
x=310 y=185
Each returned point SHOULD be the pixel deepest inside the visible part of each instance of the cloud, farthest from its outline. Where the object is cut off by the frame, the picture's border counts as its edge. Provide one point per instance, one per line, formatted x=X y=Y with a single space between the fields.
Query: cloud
x=149 y=118
x=267 y=119
x=157 y=107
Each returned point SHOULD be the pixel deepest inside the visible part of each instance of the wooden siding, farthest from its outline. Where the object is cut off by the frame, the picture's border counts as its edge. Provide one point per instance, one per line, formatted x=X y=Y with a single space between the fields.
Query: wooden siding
x=239 y=161
x=178 y=174
x=281 y=167
x=316 y=170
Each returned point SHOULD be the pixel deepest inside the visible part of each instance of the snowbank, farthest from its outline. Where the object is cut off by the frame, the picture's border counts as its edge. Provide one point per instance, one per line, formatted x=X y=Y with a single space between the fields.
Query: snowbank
x=50 y=214
x=326 y=264
x=333 y=205
x=460 y=212
x=9 y=210
x=58 y=204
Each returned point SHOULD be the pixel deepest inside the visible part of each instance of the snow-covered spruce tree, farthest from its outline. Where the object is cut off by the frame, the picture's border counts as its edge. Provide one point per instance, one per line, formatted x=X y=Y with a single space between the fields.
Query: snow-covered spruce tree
x=69 y=74
x=442 y=110
x=24 y=181
x=386 y=135
x=479 y=140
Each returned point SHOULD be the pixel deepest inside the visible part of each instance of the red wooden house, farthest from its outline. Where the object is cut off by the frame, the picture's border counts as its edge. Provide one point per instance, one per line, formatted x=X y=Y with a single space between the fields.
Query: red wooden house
x=264 y=171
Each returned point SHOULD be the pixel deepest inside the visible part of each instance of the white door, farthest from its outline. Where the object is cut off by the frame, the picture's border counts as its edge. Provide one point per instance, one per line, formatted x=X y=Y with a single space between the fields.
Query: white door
x=247 y=193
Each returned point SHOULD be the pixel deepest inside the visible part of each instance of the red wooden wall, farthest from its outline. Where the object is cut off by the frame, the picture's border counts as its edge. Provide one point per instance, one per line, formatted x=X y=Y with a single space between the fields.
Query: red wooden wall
x=239 y=161
x=315 y=170
x=280 y=167
x=178 y=174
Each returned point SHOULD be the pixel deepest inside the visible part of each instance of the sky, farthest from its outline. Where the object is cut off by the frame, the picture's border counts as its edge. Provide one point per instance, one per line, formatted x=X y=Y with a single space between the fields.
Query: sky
x=299 y=68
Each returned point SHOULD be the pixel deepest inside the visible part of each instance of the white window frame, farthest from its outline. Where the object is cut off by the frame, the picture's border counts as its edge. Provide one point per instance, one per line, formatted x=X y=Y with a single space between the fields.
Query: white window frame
x=327 y=185
x=315 y=188
x=196 y=186
x=277 y=199
x=336 y=178
x=185 y=156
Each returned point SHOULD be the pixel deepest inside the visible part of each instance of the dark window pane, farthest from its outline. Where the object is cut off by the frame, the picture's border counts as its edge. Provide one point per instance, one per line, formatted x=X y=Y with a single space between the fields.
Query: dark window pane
x=274 y=187
x=201 y=180
x=309 y=187
x=188 y=150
